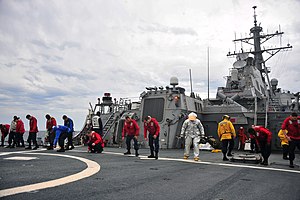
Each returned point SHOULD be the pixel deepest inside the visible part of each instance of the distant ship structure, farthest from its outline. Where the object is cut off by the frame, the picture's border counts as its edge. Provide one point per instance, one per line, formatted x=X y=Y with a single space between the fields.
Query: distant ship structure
x=249 y=97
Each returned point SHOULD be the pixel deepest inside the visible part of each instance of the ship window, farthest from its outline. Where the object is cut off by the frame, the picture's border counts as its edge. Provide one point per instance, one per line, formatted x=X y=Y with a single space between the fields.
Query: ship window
x=154 y=108
x=198 y=107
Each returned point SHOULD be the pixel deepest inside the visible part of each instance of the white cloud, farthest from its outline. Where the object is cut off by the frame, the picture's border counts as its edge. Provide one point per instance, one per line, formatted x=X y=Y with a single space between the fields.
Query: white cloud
x=56 y=56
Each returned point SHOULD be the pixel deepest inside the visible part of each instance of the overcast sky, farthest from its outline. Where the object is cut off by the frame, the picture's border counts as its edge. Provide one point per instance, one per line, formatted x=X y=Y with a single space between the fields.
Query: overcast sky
x=57 y=56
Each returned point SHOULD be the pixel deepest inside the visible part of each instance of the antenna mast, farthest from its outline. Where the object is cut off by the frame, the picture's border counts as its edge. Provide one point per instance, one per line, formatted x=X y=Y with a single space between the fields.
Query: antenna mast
x=208 y=73
x=191 y=83
x=259 y=39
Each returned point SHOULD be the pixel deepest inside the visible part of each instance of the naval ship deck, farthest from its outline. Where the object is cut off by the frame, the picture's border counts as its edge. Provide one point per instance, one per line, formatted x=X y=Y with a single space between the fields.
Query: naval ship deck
x=77 y=174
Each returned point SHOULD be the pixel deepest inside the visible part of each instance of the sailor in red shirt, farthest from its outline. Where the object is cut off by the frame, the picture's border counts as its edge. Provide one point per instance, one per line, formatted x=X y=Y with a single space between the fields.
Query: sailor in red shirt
x=95 y=142
x=20 y=130
x=292 y=125
x=131 y=130
x=263 y=136
x=242 y=138
x=33 y=129
x=151 y=125
x=51 y=121
x=4 y=130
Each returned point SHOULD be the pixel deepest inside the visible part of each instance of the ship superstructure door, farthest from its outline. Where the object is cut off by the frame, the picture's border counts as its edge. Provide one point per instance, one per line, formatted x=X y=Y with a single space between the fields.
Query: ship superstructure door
x=154 y=107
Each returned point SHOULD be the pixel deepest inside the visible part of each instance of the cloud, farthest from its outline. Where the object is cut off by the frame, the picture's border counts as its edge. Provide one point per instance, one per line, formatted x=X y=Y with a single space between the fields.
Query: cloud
x=40 y=44
x=57 y=56
x=168 y=30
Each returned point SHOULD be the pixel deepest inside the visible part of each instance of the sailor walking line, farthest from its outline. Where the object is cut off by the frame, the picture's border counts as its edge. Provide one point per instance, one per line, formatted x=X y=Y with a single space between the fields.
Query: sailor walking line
x=92 y=168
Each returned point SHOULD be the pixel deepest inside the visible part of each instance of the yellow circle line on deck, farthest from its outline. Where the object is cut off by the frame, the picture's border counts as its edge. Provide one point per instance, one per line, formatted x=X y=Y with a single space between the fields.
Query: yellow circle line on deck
x=92 y=168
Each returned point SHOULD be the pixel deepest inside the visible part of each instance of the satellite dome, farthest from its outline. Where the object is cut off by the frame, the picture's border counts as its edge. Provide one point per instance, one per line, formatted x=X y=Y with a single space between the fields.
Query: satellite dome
x=173 y=81
x=274 y=82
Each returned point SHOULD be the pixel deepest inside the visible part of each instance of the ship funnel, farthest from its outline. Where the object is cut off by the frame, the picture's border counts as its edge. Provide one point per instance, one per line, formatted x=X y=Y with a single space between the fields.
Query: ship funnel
x=173 y=81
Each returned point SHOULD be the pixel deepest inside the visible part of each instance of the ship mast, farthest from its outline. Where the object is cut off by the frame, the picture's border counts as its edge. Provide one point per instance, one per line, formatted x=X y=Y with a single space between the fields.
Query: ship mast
x=259 y=39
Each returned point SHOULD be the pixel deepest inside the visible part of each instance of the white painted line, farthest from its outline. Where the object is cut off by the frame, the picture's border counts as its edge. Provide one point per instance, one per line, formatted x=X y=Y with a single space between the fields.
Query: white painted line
x=92 y=168
x=212 y=163
x=20 y=158
x=231 y=165
x=16 y=152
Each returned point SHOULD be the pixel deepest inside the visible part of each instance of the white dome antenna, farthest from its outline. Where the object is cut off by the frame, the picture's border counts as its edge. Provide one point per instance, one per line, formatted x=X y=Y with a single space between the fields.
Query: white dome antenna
x=173 y=81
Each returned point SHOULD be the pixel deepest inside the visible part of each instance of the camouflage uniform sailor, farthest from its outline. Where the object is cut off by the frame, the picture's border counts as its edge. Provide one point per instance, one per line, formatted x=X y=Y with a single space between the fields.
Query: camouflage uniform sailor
x=193 y=131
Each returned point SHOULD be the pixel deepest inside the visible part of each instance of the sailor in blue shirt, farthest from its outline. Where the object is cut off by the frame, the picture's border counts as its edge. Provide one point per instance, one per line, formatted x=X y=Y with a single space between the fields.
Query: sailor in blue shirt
x=69 y=123
x=61 y=133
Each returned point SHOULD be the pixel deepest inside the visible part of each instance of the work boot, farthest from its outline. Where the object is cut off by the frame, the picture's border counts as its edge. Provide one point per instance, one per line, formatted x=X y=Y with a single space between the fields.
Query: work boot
x=285 y=158
x=72 y=147
x=229 y=154
x=185 y=157
x=291 y=164
x=50 y=148
x=151 y=155
x=28 y=147
x=225 y=158
x=156 y=155
x=127 y=152
x=136 y=153
x=35 y=148
x=196 y=159
x=61 y=150
x=7 y=146
x=264 y=163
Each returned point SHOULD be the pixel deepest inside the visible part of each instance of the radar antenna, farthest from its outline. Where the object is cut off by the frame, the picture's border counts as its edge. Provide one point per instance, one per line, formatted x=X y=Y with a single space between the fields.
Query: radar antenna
x=259 y=39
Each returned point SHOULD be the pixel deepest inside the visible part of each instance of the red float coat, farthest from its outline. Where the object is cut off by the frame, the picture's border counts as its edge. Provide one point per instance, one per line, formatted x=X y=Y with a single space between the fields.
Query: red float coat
x=5 y=130
x=242 y=136
x=263 y=134
x=96 y=138
x=152 y=127
x=130 y=128
x=33 y=125
x=293 y=128
x=50 y=123
x=20 y=127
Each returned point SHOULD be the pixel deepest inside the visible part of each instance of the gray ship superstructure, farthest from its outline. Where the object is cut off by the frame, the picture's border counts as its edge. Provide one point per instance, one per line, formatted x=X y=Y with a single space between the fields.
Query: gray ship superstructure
x=249 y=97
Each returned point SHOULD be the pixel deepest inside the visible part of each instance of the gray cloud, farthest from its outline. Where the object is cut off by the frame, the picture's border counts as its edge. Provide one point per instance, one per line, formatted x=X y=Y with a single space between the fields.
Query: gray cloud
x=10 y=64
x=40 y=44
x=69 y=44
x=166 y=29
x=56 y=56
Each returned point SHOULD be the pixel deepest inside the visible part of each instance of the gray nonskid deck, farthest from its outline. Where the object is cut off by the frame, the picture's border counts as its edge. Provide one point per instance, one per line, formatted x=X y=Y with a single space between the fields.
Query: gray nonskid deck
x=169 y=177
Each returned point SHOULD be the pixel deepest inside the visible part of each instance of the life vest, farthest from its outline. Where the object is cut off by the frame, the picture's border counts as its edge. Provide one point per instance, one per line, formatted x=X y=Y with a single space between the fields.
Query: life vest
x=95 y=121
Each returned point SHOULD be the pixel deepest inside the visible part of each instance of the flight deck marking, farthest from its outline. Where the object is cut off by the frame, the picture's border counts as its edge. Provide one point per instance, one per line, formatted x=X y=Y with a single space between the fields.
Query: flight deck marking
x=212 y=163
x=92 y=168
x=20 y=158
x=16 y=152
